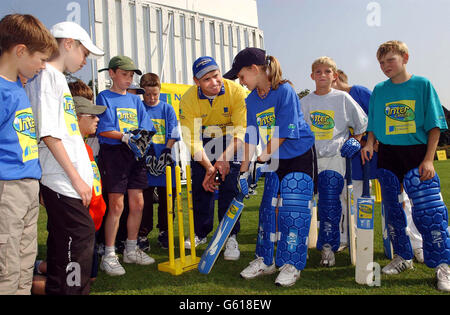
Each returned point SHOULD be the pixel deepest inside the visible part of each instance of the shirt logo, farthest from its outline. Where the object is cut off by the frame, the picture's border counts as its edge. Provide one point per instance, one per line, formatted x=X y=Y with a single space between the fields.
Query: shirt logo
x=69 y=106
x=24 y=123
x=127 y=119
x=25 y=129
x=400 y=117
x=322 y=120
x=399 y=112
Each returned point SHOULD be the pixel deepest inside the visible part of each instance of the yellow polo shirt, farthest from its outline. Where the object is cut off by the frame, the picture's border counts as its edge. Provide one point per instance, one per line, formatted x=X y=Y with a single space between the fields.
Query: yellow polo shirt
x=201 y=117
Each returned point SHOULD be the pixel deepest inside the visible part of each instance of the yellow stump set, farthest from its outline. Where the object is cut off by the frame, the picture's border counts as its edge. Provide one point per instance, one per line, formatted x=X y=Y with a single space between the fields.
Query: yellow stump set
x=176 y=266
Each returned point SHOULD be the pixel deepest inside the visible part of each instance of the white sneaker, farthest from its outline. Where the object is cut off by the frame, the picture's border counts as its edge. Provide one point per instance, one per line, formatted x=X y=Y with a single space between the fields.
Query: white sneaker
x=198 y=241
x=397 y=265
x=443 y=277
x=110 y=264
x=418 y=254
x=232 y=249
x=257 y=268
x=288 y=276
x=137 y=256
x=328 y=259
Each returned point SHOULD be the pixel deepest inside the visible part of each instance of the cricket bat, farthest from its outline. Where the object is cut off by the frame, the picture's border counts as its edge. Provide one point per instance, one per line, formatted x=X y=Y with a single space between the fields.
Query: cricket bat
x=222 y=232
x=312 y=237
x=364 y=233
x=350 y=212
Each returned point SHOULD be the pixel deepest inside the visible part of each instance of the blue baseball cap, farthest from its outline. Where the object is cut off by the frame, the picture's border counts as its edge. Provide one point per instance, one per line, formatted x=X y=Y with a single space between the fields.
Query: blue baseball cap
x=245 y=58
x=203 y=65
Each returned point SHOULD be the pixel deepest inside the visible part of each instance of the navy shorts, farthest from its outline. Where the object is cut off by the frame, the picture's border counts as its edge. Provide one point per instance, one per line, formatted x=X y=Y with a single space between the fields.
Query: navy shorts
x=400 y=159
x=119 y=169
x=305 y=163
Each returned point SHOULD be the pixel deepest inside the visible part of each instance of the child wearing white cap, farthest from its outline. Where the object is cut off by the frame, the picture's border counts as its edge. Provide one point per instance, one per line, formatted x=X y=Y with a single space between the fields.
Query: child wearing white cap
x=67 y=177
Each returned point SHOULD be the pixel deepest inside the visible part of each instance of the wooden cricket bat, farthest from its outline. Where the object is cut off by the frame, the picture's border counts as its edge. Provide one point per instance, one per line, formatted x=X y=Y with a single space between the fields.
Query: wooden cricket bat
x=364 y=233
x=350 y=212
x=312 y=237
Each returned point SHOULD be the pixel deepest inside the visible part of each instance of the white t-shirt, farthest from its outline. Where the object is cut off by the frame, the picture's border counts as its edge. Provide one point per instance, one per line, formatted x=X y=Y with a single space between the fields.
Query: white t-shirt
x=330 y=117
x=55 y=116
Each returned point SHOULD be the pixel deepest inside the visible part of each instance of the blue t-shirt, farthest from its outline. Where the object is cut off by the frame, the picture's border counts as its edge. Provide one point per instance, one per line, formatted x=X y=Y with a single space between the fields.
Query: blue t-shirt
x=165 y=122
x=123 y=113
x=278 y=115
x=18 y=150
x=361 y=95
x=402 y=114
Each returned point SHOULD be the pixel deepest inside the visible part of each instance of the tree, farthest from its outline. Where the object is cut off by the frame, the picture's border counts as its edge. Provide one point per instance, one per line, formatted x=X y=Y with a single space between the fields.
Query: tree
x=303 y=93
x=444 y=138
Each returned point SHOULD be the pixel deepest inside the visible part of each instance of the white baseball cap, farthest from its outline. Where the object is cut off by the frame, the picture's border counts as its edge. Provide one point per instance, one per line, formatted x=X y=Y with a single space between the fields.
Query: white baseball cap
x=76 y=32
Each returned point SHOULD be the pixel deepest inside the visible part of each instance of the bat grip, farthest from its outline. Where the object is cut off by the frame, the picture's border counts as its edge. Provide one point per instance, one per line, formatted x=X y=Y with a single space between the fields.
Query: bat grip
x=348 y=170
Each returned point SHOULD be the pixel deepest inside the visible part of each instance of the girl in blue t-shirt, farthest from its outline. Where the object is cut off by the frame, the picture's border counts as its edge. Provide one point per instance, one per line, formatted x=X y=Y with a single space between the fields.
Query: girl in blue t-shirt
x=275 y=121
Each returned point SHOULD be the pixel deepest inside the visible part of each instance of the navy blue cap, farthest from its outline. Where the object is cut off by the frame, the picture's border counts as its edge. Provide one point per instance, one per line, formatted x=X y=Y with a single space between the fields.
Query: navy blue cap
x=203 y=65
x=245 y=58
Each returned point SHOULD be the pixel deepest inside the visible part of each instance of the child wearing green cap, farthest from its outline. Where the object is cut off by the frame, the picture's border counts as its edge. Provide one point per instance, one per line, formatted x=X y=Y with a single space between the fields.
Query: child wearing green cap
x=120 y=171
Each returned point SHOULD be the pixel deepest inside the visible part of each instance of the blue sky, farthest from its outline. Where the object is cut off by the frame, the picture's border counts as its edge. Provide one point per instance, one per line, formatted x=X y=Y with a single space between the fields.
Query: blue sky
x=299 y=31
x=350 y=31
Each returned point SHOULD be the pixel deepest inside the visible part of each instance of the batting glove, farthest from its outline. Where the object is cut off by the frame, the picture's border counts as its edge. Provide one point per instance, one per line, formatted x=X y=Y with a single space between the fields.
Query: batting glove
x=151 y=161
x=243 y=184
x=165 y=159
x=138 y=140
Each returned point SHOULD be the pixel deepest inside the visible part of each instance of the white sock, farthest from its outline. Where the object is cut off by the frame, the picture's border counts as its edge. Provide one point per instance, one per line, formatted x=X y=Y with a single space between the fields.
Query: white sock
x=109 y=249
x=130 y=245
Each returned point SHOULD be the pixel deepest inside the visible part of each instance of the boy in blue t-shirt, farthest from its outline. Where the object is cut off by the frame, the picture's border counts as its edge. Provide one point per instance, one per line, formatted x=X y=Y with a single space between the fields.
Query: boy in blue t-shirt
x=121 y=172
x=165 y=121
x=25 y=47
x=409 y=119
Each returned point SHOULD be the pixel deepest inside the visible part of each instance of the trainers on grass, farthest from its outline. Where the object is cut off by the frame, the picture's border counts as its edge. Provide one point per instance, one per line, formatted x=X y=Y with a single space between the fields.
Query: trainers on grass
x=110 y=264
x=443 y=277
x=328 y=259
x=137 y=257
x=397 y=265
x=288 y=276
x=198 y=241
x=257 y=268
x=143 y=243
x=231 y=249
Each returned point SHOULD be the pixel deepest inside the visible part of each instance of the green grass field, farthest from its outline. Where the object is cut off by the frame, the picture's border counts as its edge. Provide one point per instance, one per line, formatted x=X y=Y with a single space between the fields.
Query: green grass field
x=224 y=278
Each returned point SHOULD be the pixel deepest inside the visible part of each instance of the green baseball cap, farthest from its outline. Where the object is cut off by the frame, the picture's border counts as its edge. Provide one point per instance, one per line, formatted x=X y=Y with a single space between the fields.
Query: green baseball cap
x=85 y=106
x=123 y=63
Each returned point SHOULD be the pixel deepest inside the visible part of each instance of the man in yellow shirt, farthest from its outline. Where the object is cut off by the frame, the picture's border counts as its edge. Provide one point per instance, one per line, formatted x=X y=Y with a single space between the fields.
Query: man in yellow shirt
x=213 y=119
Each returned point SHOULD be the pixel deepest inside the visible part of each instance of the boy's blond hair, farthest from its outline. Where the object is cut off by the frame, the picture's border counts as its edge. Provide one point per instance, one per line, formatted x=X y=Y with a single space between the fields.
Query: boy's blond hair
x=395 y=46
x=16 y=29
x=324 y=60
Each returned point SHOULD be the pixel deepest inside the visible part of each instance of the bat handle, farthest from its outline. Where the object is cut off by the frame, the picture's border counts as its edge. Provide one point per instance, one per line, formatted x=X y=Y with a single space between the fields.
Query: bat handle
x=348 y=170
x=366 y=178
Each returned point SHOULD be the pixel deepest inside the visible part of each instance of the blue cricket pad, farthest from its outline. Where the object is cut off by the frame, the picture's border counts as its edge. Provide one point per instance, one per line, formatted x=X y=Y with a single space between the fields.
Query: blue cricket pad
x=395 y=216
x=294 y=219
x=265 y=244
x=430 y=217
x=329 y=208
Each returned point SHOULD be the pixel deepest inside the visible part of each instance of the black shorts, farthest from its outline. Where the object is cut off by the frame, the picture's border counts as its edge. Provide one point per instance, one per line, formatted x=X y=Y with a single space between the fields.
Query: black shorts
x=400 y=159
x=119 y=169
x=305 y=163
